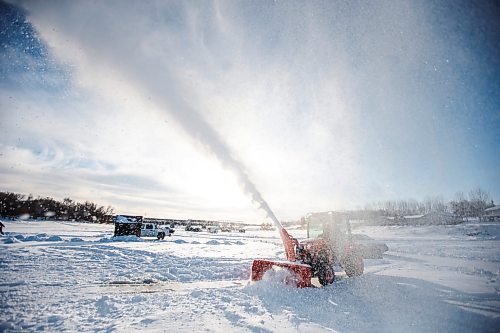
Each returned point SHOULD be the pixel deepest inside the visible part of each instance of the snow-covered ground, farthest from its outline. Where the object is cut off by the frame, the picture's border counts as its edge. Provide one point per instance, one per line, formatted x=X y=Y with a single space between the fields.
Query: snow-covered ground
x=67 y=276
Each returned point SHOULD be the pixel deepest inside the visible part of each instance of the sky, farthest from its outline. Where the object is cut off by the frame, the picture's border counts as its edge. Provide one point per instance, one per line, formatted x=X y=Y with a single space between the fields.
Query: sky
x=238 y=110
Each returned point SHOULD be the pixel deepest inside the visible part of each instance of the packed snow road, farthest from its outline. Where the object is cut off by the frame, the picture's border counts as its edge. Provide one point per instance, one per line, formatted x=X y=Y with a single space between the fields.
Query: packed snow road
x=66 y=276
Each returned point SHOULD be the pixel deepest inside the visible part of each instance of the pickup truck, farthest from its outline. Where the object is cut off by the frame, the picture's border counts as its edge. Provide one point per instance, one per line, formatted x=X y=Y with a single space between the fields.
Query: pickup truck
x=152 y=230
x=195 y=228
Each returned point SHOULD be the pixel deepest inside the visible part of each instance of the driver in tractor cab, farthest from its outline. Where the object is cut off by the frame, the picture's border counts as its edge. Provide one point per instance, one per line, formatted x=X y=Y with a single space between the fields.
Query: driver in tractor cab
x=335 y=236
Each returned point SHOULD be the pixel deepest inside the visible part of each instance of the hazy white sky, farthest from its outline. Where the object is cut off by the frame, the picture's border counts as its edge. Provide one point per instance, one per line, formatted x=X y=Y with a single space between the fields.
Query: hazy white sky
x=187 y=109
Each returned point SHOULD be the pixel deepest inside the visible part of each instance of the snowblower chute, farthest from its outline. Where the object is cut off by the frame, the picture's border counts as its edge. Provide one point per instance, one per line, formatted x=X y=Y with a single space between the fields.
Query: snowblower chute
x=300 y=274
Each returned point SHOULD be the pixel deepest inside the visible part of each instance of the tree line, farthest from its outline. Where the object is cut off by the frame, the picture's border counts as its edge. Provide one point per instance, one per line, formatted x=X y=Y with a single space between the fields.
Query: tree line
x=463 y=206
x=13 y=205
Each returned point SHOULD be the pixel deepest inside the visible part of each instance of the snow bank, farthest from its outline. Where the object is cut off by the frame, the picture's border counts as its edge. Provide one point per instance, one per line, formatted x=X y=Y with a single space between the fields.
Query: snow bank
x=128 y=238
x=12 y=238
x=43 y=237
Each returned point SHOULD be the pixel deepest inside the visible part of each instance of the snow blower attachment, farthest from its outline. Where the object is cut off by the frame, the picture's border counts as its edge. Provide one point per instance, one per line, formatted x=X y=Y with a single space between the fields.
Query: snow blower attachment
x=300 y=274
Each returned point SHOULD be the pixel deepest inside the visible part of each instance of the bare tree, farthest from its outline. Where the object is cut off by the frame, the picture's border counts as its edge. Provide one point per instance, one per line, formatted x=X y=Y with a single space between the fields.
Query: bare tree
x=460 y=206
x=479 y=201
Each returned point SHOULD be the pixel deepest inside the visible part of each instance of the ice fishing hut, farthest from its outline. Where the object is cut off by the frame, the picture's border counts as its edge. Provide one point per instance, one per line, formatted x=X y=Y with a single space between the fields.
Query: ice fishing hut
x=127 y=225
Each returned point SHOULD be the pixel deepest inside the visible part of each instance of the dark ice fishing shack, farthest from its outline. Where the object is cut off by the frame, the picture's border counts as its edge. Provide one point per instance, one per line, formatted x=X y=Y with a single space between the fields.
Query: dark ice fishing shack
x=128 y=225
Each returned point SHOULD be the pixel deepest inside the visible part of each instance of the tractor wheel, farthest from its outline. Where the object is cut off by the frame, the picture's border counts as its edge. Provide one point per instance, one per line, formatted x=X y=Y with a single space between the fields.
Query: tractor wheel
x=325 y=272
x=354 y=266
x=160 y=235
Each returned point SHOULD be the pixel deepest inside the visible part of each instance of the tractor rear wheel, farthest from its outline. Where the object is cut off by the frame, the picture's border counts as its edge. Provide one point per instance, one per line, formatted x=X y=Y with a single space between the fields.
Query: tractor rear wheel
x=354 y=266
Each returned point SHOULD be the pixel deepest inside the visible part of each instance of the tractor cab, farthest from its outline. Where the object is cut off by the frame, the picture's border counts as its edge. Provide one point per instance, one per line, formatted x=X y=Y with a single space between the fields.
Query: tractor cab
x=329 y=243
x=333 y=227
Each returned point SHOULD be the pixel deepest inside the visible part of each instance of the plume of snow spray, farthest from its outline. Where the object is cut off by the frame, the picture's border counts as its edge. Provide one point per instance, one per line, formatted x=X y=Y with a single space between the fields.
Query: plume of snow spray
x=145 y=71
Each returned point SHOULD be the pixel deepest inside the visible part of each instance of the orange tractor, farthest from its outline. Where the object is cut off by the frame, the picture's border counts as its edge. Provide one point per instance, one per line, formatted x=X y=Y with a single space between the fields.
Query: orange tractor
x=329 y=243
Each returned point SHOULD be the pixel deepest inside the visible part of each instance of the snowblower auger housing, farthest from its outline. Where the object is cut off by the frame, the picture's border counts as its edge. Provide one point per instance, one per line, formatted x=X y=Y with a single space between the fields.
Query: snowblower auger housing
x=300 y=274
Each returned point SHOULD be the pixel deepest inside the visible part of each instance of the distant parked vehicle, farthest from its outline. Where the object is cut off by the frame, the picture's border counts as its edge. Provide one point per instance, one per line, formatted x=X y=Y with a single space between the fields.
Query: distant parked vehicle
x=152 y=230
x=213 y=230
x=241 y=230
x=194 y=228
x=369 y=248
